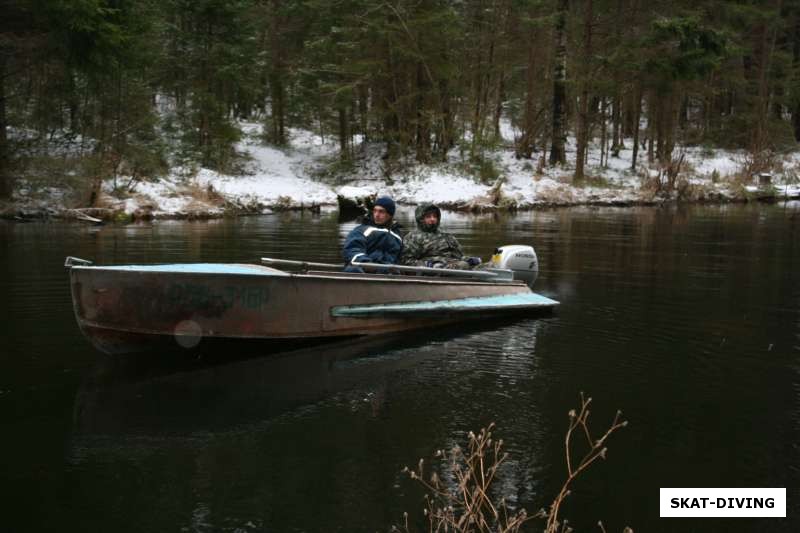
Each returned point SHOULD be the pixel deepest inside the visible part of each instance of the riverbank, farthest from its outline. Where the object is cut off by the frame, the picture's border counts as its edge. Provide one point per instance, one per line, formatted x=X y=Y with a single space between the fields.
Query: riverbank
x=308 y=175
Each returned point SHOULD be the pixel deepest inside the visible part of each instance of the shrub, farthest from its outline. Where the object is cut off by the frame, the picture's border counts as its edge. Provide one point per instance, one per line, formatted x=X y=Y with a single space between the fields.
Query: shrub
x=463 y=502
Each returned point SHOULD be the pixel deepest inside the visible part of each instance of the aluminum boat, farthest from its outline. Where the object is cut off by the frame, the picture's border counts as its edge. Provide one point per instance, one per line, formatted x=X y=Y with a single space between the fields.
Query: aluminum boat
x=130 y=308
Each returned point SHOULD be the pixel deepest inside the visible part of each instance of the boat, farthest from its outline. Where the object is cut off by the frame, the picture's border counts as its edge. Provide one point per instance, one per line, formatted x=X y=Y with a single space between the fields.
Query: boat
x=132 y=308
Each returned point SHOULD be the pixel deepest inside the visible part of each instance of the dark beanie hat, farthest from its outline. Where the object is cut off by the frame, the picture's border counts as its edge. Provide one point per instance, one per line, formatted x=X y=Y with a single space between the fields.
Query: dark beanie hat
x=386 y=203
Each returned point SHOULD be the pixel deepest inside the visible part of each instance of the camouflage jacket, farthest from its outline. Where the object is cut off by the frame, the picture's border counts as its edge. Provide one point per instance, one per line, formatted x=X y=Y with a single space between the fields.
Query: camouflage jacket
x=426 y=244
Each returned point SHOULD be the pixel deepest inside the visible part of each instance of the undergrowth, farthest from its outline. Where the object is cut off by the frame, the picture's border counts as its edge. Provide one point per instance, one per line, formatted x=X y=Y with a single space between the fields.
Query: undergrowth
x=460 y=498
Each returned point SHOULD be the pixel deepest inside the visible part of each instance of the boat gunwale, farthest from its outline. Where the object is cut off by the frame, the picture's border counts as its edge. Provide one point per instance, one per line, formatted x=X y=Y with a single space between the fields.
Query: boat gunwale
x=314 y=274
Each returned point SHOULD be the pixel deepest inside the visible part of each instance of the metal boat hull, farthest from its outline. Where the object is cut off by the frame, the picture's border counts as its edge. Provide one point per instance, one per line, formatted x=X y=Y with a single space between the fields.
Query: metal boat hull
x=126 y=309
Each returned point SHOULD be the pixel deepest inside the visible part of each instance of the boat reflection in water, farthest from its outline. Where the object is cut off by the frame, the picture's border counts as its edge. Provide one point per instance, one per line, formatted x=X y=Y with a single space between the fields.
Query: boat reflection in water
x=185 y=397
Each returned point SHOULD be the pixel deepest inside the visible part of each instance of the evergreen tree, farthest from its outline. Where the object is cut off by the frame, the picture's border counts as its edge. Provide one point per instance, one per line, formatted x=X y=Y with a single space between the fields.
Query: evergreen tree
x=134 y=83
x=211 y=46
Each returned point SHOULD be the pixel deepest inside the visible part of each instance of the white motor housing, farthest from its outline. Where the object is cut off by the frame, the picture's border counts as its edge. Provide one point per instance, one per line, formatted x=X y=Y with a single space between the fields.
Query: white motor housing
x=518 y=258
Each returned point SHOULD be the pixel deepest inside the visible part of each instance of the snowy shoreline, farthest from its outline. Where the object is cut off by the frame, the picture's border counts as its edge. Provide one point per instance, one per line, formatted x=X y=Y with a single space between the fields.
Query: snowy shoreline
x=299 y=178
x=25 y=213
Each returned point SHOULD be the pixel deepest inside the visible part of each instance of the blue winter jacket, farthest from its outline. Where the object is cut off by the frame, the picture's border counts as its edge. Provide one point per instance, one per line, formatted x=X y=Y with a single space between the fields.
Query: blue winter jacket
x=373 y=244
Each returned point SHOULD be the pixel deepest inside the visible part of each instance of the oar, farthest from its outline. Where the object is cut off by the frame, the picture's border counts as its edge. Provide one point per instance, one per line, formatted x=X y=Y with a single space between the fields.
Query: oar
x=377 y=266
x=432 y=271
x=302 y=264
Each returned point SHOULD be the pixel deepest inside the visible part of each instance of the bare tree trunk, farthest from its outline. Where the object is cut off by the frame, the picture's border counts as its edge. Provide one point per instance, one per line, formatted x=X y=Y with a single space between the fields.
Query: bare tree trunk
x=5 y=173
x=795 y=110
x=103 y=151
x=389 y=112
x=423 y=123
x=669 y=126
x=616 y=131
x=582 y=134
x=503 y=26
x=487 y=84
x=363 y=97
x=319 y=107
x=759 y=140
x=498 y=108
x=766 y=48
x=478 y=111
x=683 y=116
x=344 y=134
x=651 y=127
x=660 y=130
x=73 y=102
x=559 y=137
x=278 y=108
x=527 y=140
x=405 y=107
x=277 y=89
x=445 y=136
x=708 y=107
x=631 y=112
x=796 y=122
x=603 y=134
x=202 y=112
x=637 y=117
x=617 y=138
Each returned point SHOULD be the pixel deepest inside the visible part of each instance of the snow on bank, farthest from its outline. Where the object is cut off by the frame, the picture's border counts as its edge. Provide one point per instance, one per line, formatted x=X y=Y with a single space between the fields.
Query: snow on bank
x=423 y=184
x=299 y=176
x=274 y=176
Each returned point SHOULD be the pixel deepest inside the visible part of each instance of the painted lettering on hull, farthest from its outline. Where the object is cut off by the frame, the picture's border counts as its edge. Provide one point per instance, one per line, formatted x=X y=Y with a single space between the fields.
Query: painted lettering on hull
x=179 y=300
x=212 y=299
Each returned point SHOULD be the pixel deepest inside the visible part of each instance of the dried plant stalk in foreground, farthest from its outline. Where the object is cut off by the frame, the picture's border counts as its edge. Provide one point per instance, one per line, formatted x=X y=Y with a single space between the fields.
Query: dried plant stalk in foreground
x=579 y=422
x=463 y=503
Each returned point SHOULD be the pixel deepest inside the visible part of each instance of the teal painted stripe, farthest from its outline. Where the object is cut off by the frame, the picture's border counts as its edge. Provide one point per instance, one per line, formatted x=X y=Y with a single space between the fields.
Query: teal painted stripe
x=486 y=303
x=195 y=268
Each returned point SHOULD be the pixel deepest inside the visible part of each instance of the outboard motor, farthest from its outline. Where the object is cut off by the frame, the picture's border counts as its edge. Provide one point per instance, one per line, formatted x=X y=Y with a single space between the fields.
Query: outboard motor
x=518 y=258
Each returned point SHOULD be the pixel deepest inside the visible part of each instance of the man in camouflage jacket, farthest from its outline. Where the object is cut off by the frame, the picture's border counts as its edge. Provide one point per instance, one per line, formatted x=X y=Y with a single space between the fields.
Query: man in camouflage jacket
x=427 y=246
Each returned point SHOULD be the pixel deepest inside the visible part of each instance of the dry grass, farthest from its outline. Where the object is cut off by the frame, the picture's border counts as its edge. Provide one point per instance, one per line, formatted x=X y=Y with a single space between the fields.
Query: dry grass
x=754 y=163
x=667 y=180
x=562 y=194
x=204 y=195
x=464 y=503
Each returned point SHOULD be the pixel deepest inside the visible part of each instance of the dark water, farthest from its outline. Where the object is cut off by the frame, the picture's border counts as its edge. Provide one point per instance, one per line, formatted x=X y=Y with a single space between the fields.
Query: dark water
x=686 y=319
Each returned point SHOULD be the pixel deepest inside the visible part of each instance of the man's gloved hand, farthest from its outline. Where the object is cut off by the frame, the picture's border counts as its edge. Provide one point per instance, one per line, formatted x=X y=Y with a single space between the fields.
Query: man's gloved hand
x=473 y=261
x=434 y=264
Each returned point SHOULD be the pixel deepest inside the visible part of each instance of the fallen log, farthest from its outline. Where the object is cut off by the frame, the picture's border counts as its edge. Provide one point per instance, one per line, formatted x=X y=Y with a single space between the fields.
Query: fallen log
x=80 y=214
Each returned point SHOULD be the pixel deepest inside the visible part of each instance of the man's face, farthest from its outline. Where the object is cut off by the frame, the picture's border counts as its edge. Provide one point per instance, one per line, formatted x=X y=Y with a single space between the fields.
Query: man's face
x=380 y=215
x=430 y=218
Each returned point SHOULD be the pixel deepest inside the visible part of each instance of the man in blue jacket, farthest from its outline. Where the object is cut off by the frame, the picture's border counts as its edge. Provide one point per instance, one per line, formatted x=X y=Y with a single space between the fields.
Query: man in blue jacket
x=376 y=240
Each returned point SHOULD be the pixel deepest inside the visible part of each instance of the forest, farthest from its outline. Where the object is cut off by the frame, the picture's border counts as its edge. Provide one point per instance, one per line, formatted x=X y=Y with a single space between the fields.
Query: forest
x=91 y=88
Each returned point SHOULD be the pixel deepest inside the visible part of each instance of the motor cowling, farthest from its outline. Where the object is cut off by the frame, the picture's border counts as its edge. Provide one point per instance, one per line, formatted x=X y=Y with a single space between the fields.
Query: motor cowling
x=518 y=258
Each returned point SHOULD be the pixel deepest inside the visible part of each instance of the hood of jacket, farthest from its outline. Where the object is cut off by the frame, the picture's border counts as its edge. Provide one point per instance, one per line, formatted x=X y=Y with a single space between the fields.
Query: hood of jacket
x=420 y=213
